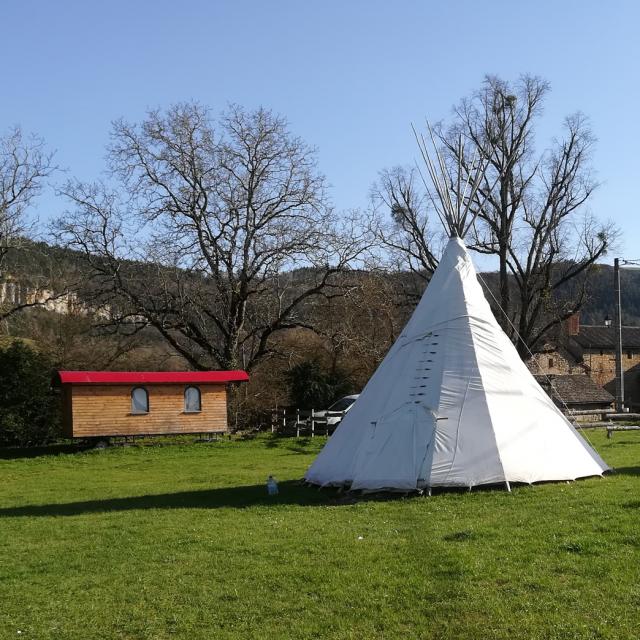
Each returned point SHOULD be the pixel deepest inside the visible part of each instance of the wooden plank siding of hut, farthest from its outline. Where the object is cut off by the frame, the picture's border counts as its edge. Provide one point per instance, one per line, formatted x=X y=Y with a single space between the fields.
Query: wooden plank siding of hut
x=105 y=410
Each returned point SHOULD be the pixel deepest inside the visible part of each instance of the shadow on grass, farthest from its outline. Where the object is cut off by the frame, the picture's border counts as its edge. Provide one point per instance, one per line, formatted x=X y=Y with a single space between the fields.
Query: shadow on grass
x=627 y=471
x=295 y=445
x=291 y=493
x=16 y=453
x=301 y=446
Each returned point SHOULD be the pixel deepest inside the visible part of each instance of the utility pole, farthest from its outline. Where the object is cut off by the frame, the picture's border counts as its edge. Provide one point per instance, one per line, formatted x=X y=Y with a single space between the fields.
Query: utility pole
x=617 y=263
x=618 y=325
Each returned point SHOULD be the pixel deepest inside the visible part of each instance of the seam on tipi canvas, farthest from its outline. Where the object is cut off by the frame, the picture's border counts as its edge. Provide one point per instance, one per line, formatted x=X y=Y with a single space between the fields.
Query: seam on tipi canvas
x=470 y=274
x=428 y=452
x=462 y=407
x=437 y=326
x=455 y=451
x=493 y=433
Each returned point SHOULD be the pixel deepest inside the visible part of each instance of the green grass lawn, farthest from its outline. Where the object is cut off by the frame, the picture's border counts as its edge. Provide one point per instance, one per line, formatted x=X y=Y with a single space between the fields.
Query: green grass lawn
x=182 y=541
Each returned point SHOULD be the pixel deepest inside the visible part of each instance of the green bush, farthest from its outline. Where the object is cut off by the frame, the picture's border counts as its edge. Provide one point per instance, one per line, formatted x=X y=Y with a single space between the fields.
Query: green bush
x=311 y=386
x=29 y=410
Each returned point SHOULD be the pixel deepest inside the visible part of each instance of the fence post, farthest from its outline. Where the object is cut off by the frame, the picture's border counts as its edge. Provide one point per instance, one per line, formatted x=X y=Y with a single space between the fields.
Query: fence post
x=297 y=423
x=284 y=420
x=313 y=422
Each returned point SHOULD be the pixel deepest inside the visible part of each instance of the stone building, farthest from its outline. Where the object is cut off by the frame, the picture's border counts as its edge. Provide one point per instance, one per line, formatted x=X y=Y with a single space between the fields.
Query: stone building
x=590 y=350
x=577 y=392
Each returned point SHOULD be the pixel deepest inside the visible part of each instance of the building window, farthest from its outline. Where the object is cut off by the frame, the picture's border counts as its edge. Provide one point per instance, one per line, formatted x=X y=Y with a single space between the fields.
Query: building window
x=192 y=400
x=550 y=363
x=139 y=400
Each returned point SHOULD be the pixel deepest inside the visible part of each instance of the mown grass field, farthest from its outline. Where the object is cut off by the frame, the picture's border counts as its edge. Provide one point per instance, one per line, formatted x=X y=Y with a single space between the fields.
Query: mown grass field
x=182 y=541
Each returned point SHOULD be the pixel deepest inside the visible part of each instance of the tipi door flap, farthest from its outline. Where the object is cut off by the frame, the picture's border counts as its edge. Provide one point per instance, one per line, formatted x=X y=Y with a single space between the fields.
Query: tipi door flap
x=393 y=457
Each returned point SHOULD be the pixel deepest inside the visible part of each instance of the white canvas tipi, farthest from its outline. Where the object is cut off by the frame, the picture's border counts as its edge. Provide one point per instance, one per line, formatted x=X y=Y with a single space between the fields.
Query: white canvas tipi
x=452 y=403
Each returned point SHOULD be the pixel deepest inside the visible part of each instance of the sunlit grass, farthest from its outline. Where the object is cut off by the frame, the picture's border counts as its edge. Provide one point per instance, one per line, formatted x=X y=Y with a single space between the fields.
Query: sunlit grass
x=182 y=541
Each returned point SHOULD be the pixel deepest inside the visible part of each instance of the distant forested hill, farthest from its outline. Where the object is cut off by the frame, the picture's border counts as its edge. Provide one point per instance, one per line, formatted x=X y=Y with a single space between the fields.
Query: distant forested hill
x=601 y=296
x=36 y=260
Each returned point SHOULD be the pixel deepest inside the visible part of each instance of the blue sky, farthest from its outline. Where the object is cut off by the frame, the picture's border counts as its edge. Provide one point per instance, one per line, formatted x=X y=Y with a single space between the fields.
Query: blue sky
x=350 y=76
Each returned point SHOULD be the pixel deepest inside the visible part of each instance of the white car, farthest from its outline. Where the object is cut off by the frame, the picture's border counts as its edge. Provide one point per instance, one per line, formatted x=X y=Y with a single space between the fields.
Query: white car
x=334 y=414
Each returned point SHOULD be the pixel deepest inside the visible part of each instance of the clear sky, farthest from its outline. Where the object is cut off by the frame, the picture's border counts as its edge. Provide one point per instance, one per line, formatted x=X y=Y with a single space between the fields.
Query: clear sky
x=350 y=75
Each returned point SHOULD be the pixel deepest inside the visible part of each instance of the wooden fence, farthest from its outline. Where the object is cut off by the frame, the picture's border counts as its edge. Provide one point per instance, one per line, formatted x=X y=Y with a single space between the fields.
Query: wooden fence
x=291 y=421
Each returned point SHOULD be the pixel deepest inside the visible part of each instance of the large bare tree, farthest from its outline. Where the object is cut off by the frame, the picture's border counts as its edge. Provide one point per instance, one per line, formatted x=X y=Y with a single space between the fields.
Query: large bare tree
x=531 y=207
x=229 y=227
x=534 y=215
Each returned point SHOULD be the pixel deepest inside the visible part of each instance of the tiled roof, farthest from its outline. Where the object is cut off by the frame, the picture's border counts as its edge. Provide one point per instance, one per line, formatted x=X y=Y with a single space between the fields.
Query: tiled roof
x=594 y=337
x=574 y=389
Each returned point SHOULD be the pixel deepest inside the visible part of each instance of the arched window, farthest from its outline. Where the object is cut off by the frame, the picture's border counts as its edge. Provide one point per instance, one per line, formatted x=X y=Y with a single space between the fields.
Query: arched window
x=139 y=400
x=192 y=402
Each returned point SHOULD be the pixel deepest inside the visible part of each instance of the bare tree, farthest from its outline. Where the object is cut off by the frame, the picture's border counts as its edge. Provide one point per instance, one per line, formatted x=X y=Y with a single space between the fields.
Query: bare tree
x=408 y=233
x=358 y=329
x=533 y=205
x=530 y=207
x=500 y=119
x=401 y=222
x=230 y=227
x=24 y=165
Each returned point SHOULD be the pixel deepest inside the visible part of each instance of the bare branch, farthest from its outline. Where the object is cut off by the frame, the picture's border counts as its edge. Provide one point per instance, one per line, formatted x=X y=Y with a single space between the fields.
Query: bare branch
x=219 y=217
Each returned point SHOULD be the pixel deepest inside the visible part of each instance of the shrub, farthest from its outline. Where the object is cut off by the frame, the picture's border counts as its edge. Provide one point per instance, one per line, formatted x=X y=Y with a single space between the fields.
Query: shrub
x=311 y=386
x=29 y=411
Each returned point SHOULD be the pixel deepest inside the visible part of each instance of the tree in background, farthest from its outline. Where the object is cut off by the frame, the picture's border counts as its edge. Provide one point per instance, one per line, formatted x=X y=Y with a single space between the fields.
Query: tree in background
x=76 y=339
x=24 y=166
x=534 y=216
x=313 y=386
x=231 y=222
x=407 y=236
x=29 y=412
x=531 y=207
x=356 y=330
